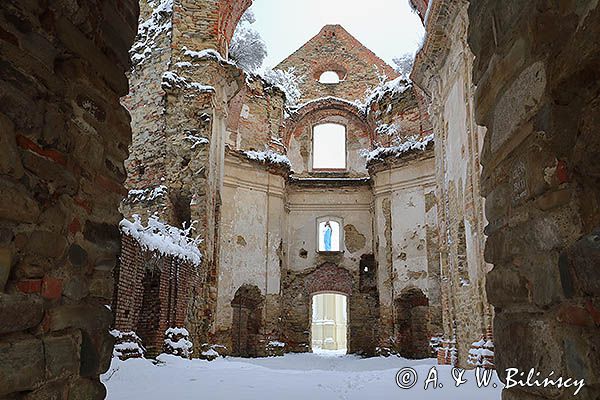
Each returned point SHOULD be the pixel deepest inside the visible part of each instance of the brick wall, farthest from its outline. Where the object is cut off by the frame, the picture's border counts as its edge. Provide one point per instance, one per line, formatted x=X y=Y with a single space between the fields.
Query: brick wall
x=333 y=48
x=152 y=293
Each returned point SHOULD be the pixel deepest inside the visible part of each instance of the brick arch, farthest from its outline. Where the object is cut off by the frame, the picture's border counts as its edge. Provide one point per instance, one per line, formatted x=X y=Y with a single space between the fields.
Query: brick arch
x=212 y=25
x=230 y=12
x=329 y=277
x=325 y=107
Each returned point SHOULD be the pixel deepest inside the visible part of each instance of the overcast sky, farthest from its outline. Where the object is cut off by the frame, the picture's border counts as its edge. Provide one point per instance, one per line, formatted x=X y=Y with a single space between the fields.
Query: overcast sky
x=388 y=27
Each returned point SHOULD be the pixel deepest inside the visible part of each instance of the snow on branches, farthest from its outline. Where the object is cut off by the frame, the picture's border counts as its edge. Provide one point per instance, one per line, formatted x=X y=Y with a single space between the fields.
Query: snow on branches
x=247 y=48
x=287 y=81
x=404 y=65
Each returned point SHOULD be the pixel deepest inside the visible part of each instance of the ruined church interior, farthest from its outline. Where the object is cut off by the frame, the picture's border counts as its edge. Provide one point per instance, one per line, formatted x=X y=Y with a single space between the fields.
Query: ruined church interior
x=172 y=217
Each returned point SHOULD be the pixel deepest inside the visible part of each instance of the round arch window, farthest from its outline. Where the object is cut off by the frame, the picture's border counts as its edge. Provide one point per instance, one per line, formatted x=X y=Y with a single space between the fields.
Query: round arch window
x=329 y=78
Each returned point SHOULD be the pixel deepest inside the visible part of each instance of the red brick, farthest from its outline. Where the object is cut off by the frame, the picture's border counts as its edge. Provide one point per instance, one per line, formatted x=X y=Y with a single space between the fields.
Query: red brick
x=30 y=285
x=52 y=288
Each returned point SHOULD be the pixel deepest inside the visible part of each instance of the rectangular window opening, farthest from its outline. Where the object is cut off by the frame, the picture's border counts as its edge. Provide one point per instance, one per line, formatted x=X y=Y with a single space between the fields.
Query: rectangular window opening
x=329 y=147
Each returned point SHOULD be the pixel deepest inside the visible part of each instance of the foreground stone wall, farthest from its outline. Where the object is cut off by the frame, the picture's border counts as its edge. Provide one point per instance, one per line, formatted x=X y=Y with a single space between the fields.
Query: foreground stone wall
x=63 y=142
x=443 y=70
x=536 y=71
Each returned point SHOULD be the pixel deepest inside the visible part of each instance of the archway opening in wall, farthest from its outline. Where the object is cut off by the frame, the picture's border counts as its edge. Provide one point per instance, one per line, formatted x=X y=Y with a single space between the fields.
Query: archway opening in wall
x=247 y=322
x=329 y=323
x=329 y=236
x=329 y=147
x=412 y=324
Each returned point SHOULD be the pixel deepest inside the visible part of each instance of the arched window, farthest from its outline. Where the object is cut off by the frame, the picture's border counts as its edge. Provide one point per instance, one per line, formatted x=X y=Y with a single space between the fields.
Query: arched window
x=329 y=234
x=329 y=146
x=329 y=77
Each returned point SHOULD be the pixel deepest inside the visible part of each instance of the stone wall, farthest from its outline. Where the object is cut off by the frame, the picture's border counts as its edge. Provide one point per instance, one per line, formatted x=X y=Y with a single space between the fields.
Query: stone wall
x=334 y=49
x=256 y=117
x=443 y=70
x=64 y=139
x=180 y=88
x=397 y=115
x=536 y=72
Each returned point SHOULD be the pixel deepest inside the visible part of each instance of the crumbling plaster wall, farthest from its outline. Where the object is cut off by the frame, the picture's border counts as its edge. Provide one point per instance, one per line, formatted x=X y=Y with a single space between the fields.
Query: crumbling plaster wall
x=443 y=69
x=253 y=233
x=352 y=203
x=404 y=207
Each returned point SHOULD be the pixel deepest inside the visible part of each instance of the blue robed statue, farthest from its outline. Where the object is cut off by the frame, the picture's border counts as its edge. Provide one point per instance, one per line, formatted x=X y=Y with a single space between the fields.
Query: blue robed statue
x=327 y=236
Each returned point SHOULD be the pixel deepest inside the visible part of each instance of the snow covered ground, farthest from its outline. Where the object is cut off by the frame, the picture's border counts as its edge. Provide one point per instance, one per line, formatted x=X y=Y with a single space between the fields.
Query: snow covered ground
x=292 y=377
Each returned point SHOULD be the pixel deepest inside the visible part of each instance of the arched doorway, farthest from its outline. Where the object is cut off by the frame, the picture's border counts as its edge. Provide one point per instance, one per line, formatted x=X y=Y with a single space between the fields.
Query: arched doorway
x=329 y=322
x=412 y=321
x=247 y=307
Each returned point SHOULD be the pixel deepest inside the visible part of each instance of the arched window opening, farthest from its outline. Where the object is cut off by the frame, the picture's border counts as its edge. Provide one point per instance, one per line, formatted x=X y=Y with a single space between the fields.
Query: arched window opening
x=329 y=236
x=329 y=78
x=329 y=323
x=329 y=147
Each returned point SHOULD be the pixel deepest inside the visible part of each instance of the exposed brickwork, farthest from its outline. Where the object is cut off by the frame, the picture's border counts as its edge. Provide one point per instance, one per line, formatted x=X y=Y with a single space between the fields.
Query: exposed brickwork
x=152 y=294
x=256 y=117
x=298 y=288
x=412 y=324
x=398 y=115
x=334 y=49
x=299 y=133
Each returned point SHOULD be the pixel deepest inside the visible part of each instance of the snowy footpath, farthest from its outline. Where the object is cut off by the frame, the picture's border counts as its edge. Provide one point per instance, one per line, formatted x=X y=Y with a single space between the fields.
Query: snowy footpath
x=291 y=377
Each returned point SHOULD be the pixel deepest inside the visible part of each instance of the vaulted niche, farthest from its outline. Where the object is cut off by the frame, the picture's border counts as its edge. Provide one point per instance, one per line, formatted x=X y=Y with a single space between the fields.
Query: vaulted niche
x=329 y=147
x=329 y=78
x=329 y=235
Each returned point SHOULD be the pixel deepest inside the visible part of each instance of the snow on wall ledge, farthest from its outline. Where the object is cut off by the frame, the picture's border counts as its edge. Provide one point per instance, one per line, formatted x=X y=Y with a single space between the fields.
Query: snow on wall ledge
x=412 y=143
x=164 y=238
x=268 y=156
